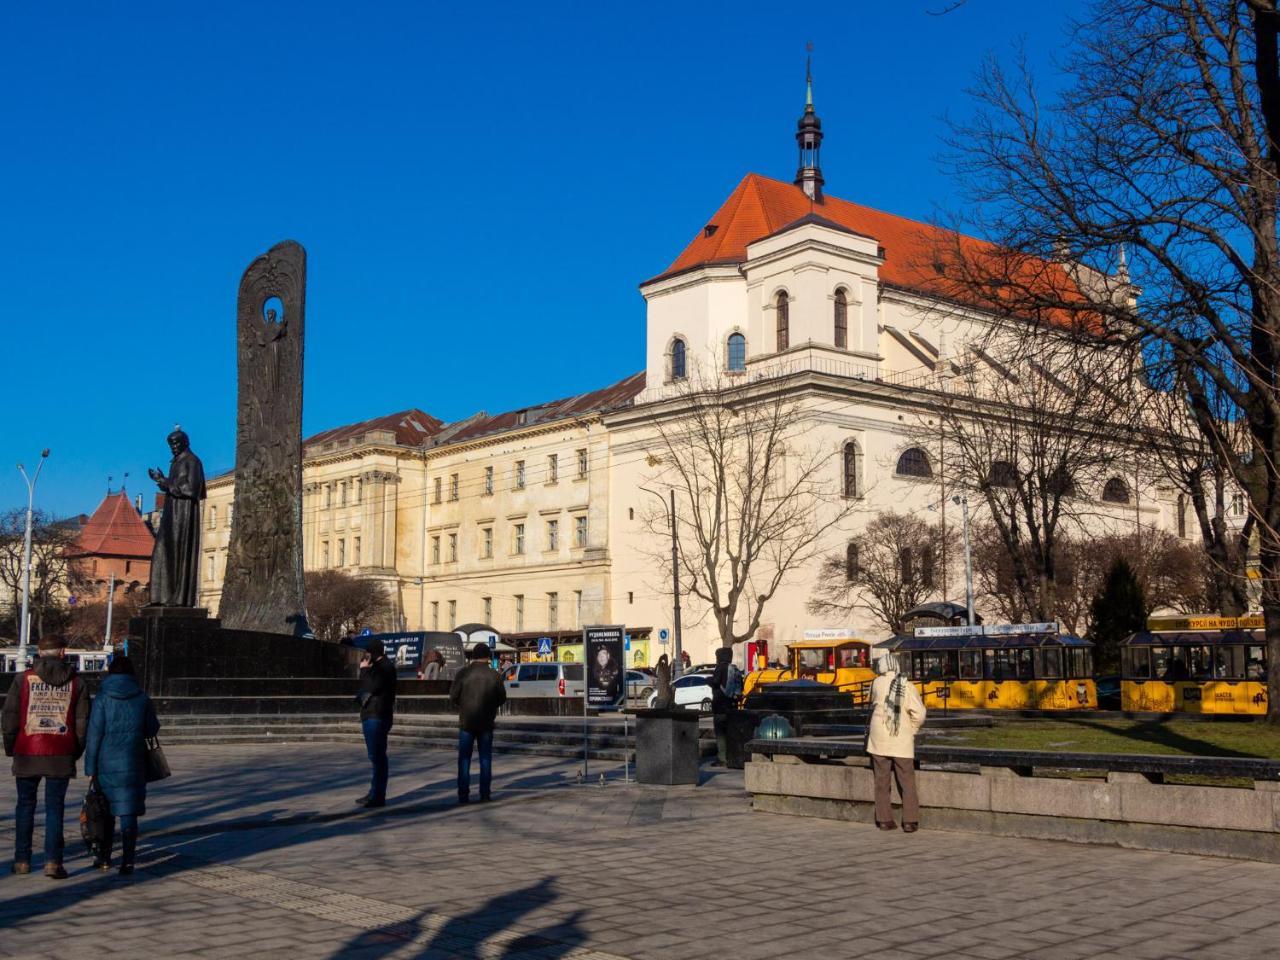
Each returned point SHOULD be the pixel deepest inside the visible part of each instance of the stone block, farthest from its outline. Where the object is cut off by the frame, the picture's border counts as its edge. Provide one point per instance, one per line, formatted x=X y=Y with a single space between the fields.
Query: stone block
x=1221 y=808
x=1054 y=797
x=956 y=791
x=667 y=750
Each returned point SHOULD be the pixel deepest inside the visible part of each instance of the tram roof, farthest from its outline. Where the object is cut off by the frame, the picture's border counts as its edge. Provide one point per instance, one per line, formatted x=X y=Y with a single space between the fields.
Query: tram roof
x=1193 y=638
x=977 y=641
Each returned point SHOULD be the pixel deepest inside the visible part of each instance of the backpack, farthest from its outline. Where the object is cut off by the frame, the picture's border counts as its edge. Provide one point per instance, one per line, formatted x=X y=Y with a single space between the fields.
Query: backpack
x=95 y=821
x=733 y=682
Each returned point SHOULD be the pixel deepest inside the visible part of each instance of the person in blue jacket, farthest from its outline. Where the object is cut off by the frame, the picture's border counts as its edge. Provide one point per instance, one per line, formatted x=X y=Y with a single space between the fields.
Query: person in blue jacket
x=120 y=721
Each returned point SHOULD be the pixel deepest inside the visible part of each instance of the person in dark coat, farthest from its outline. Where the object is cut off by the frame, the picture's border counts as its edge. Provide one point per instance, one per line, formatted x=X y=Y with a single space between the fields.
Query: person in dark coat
x=45 y=714
x=377 y=698
x=477 y=692
x=120 y=722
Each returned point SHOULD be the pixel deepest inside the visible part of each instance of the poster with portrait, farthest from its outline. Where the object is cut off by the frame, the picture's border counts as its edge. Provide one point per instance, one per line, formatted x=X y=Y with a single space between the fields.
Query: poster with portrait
x=605 y=651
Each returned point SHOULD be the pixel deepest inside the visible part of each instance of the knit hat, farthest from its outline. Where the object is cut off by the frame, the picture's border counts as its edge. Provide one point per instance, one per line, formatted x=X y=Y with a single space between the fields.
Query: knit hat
x=50 y=642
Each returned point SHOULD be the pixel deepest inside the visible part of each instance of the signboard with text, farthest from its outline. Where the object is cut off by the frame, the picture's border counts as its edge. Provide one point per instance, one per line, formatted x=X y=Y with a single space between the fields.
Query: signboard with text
x=988 y=630
x=606 y=658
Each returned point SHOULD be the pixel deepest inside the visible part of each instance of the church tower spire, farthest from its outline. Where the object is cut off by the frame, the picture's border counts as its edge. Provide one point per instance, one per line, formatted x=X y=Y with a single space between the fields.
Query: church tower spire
x=809 y=139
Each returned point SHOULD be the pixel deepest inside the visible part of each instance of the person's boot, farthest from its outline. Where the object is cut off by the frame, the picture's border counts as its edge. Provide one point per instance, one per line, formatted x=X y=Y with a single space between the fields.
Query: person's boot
x=103 y=862
x=55 y=871
x=129 y=840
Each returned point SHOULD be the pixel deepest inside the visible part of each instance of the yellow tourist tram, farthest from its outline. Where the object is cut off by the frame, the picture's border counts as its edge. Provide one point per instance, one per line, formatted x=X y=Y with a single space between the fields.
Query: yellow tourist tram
x=1027 y=666
x=1198 y=664
x=827 y=656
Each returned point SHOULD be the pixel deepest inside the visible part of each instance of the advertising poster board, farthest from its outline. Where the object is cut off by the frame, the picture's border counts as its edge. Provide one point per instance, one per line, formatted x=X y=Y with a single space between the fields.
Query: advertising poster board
x=605 y=652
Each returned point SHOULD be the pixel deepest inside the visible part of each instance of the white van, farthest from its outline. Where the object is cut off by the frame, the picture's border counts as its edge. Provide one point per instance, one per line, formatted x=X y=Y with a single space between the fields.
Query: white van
x=547 y=680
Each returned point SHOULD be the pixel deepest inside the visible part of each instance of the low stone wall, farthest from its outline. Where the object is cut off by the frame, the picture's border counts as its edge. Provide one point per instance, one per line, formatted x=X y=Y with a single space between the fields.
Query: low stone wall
x=1126 y=809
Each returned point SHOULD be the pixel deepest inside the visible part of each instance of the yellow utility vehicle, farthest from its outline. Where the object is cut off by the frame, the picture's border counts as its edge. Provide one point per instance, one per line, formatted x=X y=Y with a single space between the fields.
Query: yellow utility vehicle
x=837 y=658
x=1197 y=664
x=999 y=667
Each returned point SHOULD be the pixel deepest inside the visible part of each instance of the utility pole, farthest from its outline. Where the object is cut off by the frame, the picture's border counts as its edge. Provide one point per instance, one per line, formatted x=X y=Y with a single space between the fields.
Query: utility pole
x=25 y=628
x=111 y=601
x=968 y=557
x=675 y=588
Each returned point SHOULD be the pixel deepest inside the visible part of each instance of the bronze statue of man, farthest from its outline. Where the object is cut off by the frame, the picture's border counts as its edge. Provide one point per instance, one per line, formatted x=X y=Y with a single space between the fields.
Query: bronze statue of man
x=175 y=560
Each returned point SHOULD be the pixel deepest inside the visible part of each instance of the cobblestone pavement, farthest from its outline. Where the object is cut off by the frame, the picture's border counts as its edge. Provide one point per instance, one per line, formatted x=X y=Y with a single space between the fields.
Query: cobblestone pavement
x=257 y=851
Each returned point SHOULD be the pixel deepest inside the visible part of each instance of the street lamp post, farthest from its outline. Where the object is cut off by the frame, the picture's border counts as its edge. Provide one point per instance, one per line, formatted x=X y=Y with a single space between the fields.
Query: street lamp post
x=968 y=558
x=24 y=630
x=678 y=660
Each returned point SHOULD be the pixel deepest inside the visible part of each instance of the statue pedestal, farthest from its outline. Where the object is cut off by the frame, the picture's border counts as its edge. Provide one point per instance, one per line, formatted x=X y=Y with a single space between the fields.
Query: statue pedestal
x=175 y=613
x=667 y=750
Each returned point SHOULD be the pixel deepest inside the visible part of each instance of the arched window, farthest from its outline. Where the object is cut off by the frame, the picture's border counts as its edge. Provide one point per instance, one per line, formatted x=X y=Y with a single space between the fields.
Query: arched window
x=851 y=571
x=914 y=462
x=1115 y=491
x=677 y=359
x=852 y=469
x=784 y=320
x=1002 y=475
x=737 y=351
x=926 y=566
x=842 y=320
x=1060 y=483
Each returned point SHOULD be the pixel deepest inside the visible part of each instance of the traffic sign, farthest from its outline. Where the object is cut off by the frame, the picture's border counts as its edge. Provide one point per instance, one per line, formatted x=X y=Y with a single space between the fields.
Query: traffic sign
x=544 y=646
x=662 y=635
x=366 y=632
x=493 y=642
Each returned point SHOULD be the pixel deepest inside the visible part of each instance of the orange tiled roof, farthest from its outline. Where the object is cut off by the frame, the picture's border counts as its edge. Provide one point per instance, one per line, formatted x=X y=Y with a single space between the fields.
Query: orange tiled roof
x=761 y=206
x=115 y=530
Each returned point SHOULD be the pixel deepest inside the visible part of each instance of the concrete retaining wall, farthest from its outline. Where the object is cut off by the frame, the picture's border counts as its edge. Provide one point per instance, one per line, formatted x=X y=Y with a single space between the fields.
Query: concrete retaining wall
x=1126 y=809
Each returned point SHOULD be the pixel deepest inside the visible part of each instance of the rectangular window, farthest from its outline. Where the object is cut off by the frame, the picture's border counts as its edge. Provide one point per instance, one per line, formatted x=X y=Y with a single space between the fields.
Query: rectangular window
x=519 y=474
x=519 y=613
x=435 y=614
x=517 y=545
x=488 y=480
x=486 y=550
x=1237 y=504
x=488 y=609
x=1048 y=663
x=1137 y=663
x=582 y=464
x=553 y=611
x=342 y=498
x=359 y=491
x=453 y=548
x=213 y=516
x=1182 y=515
x=553 y=534
x=324 y=553
x=453 y=486
x=208 y=567
x=342 y=552
x=328 y=495
x=356 y=558
x=436 y=492
x=435 y=549
x=970 y=664
x=553 y=468
x=579 y=531
x=453 y=614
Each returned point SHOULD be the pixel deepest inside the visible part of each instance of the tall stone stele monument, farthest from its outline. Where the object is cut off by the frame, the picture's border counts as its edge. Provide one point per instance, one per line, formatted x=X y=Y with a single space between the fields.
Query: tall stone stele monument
x=262 y=589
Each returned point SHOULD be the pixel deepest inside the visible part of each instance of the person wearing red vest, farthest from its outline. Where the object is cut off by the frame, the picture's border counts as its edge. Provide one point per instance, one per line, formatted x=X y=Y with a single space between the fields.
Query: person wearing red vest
x=45 y=718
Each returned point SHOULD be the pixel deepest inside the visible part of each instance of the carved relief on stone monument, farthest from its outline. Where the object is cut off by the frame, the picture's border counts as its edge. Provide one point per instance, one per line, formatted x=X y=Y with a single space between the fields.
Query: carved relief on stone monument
x=263 y=589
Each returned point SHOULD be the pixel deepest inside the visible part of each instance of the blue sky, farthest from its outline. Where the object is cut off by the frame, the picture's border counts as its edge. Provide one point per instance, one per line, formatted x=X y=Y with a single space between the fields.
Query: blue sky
x=480 y=188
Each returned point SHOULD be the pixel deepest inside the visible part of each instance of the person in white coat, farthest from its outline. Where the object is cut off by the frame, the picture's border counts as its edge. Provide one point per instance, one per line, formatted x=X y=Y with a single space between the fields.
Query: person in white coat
x=897 y=714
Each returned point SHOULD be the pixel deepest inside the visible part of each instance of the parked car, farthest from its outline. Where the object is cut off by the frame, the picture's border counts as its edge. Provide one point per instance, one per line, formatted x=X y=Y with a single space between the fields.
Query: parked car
x=692 y=690
x=555 y=679
x=640 y=684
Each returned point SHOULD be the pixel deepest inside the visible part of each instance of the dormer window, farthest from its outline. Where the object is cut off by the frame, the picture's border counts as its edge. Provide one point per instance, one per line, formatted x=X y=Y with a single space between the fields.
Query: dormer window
x=710 y=230
x=784 y=320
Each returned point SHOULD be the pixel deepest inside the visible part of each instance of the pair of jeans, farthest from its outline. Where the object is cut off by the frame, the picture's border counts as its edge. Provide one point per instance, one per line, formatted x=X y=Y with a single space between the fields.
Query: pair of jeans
x=375 y=742
x=466 y=742
x=55 y=800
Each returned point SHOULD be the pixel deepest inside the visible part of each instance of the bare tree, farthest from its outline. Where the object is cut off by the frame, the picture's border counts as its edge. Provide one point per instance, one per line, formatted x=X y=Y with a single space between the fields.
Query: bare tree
x=1165 y=145
x=889 y=568
x=1034 y=429
x=339 y=604
x=52 y=576
x=755 y=498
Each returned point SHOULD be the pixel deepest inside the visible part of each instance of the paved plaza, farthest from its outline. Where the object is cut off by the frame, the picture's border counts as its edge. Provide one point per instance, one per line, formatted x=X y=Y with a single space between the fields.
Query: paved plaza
x=258 y=851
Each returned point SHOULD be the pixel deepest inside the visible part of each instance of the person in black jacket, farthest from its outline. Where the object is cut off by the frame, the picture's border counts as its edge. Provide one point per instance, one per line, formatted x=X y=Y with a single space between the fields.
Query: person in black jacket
x=477 y=692
x=377 y=698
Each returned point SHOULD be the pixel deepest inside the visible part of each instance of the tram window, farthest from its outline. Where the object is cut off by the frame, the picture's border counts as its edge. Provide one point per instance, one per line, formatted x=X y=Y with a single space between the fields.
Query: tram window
x=1079 y=663
x=935 y=665
x=1012 y=665
x=814 y=660
x=1026 y=666
x=1228 y=663
x=970 y=664
x=1137 y=663
x=1169 y=663
x=1255 y=663
x=851 y=657
x=1049 y=662
x=1200 y=663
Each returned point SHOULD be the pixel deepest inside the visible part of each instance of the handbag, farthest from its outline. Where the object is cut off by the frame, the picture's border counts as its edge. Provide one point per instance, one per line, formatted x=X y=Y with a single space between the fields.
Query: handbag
x=95 y=821
x=157 y=764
